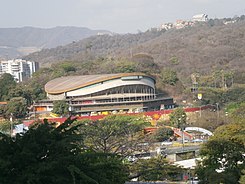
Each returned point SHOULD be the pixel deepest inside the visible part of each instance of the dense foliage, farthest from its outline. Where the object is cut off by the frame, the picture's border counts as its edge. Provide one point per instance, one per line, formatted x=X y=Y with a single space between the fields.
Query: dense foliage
x=61 y=107
x=7 y=82
x=223 y=97
x=223 y=155
x=178 y=118
x=168 y=76
x=80 y=152
x=114 y=134
x=155 y=169
x=46 y=154
x=16 y=108
x=163 y=134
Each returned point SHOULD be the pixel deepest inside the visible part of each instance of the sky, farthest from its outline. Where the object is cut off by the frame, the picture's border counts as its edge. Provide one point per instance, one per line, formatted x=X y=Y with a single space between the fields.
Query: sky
x=120 y=16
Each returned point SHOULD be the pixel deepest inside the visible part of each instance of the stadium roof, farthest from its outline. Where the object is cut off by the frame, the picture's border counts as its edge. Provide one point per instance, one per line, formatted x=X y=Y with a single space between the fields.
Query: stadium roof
x=65 y=84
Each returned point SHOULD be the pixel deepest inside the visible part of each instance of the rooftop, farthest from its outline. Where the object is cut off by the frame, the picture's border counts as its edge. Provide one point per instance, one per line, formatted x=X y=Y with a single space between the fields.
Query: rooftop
x=65 y=84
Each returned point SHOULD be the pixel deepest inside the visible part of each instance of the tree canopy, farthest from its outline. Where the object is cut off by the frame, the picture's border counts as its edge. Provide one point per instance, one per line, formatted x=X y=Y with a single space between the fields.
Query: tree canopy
x=163 y=134
x=223 y=155
x=16 y=108
x=155 y=169
x=46 y=154
x=168 y=76
x=178 y=118
x=61 y=107
x=114 y=134
x=7 y=82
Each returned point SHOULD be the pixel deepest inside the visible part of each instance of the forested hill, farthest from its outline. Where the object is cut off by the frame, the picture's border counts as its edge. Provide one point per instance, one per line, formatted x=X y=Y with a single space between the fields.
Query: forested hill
x=201 y=48
x=16 y=42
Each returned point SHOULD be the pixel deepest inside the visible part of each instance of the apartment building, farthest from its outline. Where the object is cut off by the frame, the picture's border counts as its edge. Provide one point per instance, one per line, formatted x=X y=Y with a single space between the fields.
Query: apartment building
x=18 y=68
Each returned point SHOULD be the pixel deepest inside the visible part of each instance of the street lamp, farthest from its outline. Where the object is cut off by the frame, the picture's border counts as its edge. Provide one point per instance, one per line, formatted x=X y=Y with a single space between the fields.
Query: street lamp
x=183 y=137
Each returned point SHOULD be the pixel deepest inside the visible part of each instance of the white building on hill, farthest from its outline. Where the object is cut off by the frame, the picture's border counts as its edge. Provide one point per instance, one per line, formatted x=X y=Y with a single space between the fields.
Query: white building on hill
x=18 y=68
x=200 y=18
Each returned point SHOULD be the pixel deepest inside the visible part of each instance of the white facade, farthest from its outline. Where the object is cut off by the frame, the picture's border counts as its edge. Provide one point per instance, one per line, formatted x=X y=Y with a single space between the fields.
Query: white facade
x=166 y=26
x=200 y=18
x=111 y=84
x=18 y=68
x=126 y=86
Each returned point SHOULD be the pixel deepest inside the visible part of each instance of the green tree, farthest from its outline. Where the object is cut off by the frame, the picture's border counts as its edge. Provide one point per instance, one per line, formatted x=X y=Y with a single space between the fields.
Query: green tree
x=114 y=134
x=7 y=82
x=23 y=91
x=37 y=91
x=242 y=179
x=169 y=76
x=154 y=169
x=61 y=107
x=68 y=67
x=16 y=108
x=238 y=115
x=46 y=154
x=125 y=67
x=163 y=134
x=5 y=126
x=223 y=155
x=212 y=96
x=231 y=107
x=144 y=63
x=178 y=118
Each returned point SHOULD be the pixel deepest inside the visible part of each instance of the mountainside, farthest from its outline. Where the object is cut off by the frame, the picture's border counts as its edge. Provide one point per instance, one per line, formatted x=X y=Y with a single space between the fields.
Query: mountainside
x=92 y=47
x=15 y=42
x=206 y=46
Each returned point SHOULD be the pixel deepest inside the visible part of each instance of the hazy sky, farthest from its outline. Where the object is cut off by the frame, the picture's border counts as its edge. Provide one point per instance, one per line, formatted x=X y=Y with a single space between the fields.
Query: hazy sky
x=120 y=16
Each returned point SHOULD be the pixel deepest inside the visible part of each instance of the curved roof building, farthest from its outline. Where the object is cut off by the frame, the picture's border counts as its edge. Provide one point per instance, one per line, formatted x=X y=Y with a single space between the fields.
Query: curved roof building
x=97 y=85
x=106 y=92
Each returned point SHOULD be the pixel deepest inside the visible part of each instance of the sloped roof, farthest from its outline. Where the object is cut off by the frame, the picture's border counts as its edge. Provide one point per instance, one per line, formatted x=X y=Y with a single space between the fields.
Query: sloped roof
x=65 y=84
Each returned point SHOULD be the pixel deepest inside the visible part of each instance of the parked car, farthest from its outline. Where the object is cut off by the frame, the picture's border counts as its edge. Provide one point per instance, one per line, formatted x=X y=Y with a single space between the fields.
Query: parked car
x=166 y=143
x=197 y=140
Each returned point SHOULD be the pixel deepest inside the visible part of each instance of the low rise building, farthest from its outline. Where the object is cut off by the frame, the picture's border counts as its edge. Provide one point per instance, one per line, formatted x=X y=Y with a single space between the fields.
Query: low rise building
x=165 y=26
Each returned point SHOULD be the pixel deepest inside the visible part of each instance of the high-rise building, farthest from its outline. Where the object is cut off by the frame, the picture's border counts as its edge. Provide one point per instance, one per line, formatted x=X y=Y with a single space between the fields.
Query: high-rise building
x=18 y=68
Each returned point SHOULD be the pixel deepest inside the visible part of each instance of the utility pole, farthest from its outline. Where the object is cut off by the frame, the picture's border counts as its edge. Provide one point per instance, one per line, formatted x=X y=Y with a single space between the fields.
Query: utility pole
x=199 y=96
x=183 y=138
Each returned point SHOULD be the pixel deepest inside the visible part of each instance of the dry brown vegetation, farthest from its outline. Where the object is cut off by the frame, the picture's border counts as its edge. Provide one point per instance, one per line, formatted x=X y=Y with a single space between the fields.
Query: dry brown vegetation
x=215 y=52
x=204 y=47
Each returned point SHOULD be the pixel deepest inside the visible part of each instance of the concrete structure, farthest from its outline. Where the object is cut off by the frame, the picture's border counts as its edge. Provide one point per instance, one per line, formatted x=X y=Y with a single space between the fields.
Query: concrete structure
x=165 y=26
x=95 y=94
x=198 y=129
x=200 y=18
x=180 y=24
x=18 y=68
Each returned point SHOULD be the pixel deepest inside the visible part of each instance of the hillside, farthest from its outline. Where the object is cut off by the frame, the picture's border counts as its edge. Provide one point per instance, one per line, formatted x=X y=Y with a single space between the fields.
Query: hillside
x=15 y=42
x=201 y=48
x=95 y=46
